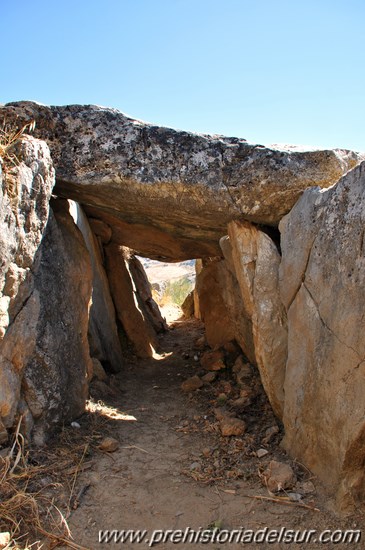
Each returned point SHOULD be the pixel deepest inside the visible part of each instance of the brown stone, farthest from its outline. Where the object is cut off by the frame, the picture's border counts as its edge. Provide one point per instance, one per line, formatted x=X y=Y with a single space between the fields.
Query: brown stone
x=212 y=360
x=256 y=260
x=137 y=326
x=322 y=285
x=211 y=285
x=109 y=445
x=279 y=476
x=200 y=343
x=239 y=316
x=232 y=426
x=191 y=384
x=261 y=453
x=188 y=305
x=243 y=372
x=101 y=229
x=209 y=377
x=146 y=303
x=221 y=413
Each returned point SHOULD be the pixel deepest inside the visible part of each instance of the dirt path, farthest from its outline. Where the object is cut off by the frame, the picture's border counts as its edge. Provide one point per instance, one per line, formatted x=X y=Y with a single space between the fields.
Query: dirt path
x=148 y=483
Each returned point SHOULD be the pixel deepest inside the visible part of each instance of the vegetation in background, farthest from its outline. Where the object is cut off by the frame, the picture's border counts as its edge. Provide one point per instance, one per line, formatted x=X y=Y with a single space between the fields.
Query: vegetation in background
x=174 y=291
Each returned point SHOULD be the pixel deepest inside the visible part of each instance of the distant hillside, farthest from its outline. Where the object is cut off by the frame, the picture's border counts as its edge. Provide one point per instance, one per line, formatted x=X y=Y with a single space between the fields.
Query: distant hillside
x=171 y=282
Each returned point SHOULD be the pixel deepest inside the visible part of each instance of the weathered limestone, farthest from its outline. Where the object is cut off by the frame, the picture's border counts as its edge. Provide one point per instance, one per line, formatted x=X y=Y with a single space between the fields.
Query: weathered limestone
x=172 y=195
x=56 y=376
x=322 y=281
x=212 y=290
x=237 y=307
x=221 y=307
x=146 y=303
x=103 y=332
x=44 y=353
x=25 y=191
x=127 y=302
x=167 y=193
x=256 y=260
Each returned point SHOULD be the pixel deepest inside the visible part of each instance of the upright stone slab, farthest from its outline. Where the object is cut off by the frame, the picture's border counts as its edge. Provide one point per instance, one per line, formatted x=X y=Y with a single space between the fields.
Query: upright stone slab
x=256 y=260
x=103 y=332
x=322 y=280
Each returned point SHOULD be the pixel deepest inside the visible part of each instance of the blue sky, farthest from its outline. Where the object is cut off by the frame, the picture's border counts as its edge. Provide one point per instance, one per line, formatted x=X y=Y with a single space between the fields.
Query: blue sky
x=274 y=71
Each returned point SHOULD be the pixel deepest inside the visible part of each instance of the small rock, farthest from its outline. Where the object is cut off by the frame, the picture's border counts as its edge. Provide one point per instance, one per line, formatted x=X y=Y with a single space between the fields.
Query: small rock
x=196 y=357
x=232 y=426
x=242 y=371
x=75 y=425
x=262 y=452
x=109 y=445
x=221 y=413
x=98 y=370
x=192 y=384
x=209 y=377
x=239 y=364
x=247 y=396
x=200 y=343
x=269 y=434
x=206 y=452
x=248 y=393
x=240 y=403
x=213 y=360
x=307 y=487
x=4 y=539
x=185 y=355
x=195 y=466
x=279 y=476
x=295 y=497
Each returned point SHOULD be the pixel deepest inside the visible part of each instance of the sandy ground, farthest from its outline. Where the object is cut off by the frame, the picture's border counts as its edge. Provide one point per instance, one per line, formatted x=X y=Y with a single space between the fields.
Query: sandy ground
x=148 y=483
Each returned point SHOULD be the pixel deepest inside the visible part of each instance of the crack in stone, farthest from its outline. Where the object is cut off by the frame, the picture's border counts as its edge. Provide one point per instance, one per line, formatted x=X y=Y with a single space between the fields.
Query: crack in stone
x=302 y=278
x=330 y=330
x=20 y=310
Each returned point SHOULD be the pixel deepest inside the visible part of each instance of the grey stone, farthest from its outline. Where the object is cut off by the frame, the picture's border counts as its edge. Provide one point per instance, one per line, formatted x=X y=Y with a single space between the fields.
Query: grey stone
x=322 y=280
x=170 y=193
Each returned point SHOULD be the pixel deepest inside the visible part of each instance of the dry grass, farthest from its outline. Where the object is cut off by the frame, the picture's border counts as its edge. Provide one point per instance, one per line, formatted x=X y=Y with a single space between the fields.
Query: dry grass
x=9 y=137
x=39 y=488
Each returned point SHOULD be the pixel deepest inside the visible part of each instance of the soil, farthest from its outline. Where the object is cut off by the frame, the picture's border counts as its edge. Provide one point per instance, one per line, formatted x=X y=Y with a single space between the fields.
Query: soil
x=173 y=469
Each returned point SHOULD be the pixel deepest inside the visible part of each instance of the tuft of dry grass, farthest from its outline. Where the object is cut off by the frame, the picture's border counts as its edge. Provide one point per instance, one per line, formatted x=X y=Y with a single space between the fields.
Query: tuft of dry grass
x=9 y=137
x=41 y=487
x=28 y=510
